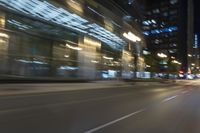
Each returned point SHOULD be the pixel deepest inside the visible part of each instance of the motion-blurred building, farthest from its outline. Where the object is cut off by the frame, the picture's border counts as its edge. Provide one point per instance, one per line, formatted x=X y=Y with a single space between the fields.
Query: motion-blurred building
x=67 y=39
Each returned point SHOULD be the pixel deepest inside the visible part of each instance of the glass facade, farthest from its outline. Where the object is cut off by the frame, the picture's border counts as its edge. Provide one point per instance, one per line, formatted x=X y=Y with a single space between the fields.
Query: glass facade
x=64 y=40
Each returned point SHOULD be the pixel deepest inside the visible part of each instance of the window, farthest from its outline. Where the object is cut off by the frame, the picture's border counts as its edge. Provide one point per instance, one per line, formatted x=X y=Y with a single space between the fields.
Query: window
x=155 y=11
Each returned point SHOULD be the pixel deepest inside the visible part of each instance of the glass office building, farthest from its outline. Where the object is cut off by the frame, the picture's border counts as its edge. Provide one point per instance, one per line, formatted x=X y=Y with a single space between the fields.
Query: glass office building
x=66 y=39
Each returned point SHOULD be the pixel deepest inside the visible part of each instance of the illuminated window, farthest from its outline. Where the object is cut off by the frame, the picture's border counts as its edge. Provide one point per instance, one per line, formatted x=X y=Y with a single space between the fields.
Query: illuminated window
x=173 y=51
x=164 y=30
x=155 y=11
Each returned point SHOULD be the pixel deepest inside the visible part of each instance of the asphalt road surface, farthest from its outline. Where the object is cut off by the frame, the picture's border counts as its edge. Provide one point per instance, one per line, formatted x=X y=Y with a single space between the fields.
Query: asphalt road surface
x=164 y=109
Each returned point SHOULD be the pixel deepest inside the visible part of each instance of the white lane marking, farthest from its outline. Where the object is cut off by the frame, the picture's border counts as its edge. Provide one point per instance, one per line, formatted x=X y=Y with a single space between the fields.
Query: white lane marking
x=168 y=99
x=114 y=121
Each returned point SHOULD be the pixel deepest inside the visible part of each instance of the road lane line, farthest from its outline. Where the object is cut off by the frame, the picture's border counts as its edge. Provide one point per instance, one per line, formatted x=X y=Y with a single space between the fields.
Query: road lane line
x=170 y=98
x=114 y=121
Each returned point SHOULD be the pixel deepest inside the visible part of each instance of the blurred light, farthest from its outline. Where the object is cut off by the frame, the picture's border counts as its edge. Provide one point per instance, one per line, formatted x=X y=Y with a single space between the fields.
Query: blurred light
x=181 y=75
x=193 y=64
x=2 y=21
x=163 y=62
x=116 y=24
x=116 y=62
x=195 y=41
x=39 y=62
x=2 y=41
x=162 y=55
x=146 y=22
x=74 y=48
x=4 y=35
x=127 y=53
x=92 y=42
x=130 y=2
x=96 y=12
x=146 y=33
x=153 y=21
x=131 y=37
x=68 y=68
x=146 y=52
x=158 y=31
x=108 y=58
x=94 y=61
x=66 y=56
x=28 y=61
x=77 y=6
x=181 y=72
x=148 y=66
x=173 y=57
x=176 y=62
x=189 y=55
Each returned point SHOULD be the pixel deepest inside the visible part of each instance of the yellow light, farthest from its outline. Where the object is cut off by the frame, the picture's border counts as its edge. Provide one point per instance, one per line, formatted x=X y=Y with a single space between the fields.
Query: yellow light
x=4 y=35
x=66 y=56
x=74 y=48
x=92 y=42
x=2 y=22
x=2 y=41
x=75 y=5
x=176 y=62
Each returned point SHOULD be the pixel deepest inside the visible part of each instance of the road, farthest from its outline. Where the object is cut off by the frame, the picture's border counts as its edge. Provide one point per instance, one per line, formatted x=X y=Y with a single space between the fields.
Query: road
x=164 y=109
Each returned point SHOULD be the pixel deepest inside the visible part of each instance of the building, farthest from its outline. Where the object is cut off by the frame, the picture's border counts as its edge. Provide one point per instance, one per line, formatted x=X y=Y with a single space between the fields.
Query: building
x=193 y=48
x=168 y=27
x=67 y=39
x=134 y=10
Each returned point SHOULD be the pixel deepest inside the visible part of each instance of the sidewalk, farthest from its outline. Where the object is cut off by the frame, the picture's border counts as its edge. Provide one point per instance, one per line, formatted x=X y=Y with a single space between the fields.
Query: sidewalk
x=32 y=88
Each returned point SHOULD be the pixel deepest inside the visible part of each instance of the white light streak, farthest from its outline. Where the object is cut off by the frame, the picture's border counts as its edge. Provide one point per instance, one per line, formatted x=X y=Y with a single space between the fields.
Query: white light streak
x=108 y=58
x=74 y=48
